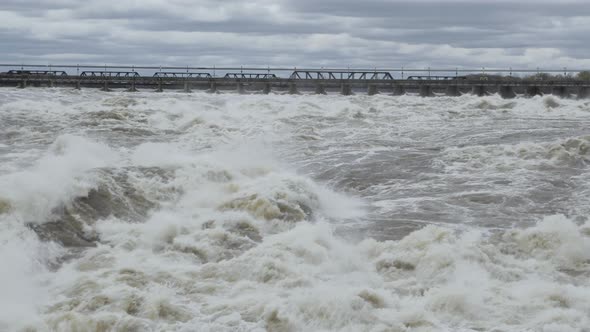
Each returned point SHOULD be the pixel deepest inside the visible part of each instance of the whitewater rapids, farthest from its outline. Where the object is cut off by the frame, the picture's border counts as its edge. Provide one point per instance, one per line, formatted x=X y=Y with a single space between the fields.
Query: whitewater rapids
x=224 y=212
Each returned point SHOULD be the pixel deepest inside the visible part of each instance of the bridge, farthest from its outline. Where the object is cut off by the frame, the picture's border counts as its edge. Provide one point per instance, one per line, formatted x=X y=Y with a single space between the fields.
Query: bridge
x=508 y=83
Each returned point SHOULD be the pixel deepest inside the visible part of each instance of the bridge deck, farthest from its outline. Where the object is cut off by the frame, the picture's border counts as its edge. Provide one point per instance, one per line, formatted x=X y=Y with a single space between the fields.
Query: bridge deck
x=318 y=81
x=246 y=78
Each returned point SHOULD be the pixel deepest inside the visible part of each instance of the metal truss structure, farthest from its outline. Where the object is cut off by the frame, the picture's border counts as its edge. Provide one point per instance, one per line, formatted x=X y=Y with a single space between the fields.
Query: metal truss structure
x=110 y=74
x=165 y=74
x=37 y=72
x=250 y=75
x=340 y=75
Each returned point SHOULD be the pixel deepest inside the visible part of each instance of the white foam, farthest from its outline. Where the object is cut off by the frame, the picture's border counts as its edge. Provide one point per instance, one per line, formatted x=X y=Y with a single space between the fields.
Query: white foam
x=55 y=178
x=307 y=278
x=23 y=259
x=248 y=241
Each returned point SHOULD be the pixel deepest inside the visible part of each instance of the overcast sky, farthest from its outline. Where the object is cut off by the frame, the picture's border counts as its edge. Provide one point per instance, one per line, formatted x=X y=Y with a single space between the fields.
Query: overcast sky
x=312 y=33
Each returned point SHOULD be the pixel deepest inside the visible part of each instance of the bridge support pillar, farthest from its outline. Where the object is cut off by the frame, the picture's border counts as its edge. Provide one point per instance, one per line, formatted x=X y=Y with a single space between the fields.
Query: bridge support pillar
x=532 y=91
x=293 y=88
x=452 y=91
x=77 y=86
x=240 y=88
x=372 y=90
x=345 y=90
x=22 y=84
x=560 y=91
x=320 y=89
x=159 y=88
x=583 y=92
x=267 y=88
x=212 y=87
x=478 y=90
x=426 y=91
x=506 y=92
x=399 y=90
x=105 y=86
x=132 y=87
x=51 y=84
x=187 y=87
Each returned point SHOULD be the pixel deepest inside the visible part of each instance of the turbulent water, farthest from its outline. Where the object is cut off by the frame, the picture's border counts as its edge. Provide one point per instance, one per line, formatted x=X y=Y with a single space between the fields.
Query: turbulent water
x=225 y=212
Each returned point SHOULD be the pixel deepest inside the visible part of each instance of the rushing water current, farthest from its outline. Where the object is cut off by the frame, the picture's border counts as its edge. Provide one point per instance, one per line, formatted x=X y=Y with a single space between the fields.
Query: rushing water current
x=225 y=212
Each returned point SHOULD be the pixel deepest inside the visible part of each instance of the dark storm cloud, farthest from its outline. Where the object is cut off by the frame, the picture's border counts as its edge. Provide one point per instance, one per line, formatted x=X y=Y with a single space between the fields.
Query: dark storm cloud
x=302 y=33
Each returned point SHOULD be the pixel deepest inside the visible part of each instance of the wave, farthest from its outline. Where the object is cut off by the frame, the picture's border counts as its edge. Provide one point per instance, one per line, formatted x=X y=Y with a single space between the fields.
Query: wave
x=574 y=151
x=308 y=278
x=116 y=195
x=246 y=213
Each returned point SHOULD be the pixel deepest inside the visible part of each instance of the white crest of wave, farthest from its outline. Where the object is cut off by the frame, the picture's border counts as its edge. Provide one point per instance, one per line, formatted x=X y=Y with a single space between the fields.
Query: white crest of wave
x=55 y=178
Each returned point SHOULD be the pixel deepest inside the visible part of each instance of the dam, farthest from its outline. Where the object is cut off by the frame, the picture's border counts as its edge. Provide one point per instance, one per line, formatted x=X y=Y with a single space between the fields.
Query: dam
x=421 y=82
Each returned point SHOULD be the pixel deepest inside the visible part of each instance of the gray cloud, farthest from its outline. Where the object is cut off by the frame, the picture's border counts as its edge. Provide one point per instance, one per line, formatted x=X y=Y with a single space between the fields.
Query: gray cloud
x=371 y=33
